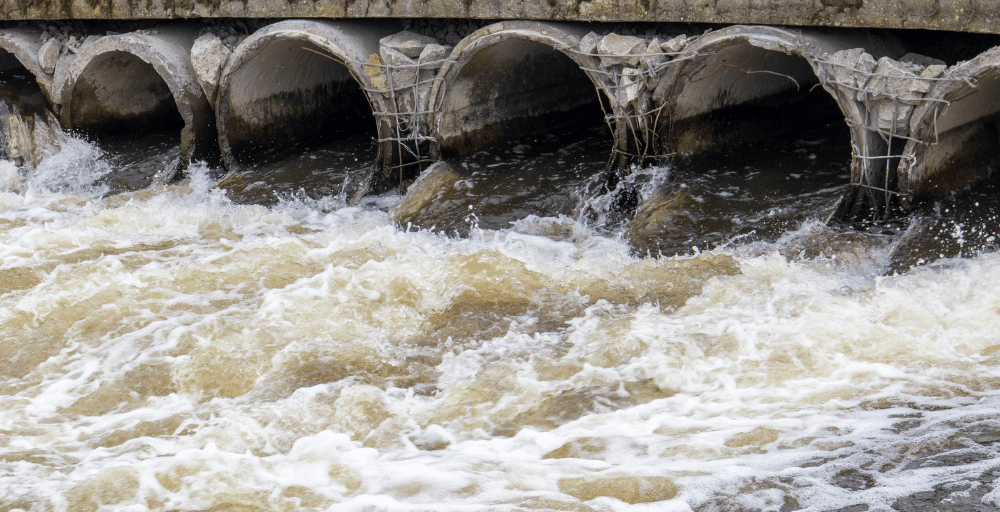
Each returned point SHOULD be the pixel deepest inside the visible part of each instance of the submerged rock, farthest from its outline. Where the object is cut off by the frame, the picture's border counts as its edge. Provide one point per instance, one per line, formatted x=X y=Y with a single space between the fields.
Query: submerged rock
x=424 y=190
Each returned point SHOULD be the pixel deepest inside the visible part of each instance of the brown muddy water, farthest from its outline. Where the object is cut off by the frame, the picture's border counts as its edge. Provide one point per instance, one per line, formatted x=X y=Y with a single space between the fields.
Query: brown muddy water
x=264 y=346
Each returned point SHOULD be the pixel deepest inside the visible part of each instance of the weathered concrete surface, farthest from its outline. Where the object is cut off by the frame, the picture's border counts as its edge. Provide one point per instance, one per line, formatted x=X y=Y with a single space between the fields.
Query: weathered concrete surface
x=208 y=56
x=955 y=130
x=511 y=78
x=755 y=67
x=140 y=81
x=957 y=15
x=303 y=80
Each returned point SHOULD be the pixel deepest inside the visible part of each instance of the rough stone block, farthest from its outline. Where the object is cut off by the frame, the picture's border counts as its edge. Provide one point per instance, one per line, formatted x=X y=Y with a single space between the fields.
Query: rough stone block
x=402 y=68
x=433 y=56
x=851 y=68
x=895 y=80
x=921 y=60
x=652 y=62
x=894 y=117
x=589 y=43
x=208 y=56
x=407 y=43
x=629 y=86
x=674 y=45
x=620 y=50
x=48 y=55
x=934 y=71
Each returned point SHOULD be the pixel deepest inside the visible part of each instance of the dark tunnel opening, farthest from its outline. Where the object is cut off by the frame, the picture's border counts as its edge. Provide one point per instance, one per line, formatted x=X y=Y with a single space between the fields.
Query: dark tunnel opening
x=121 y=103
x=292 y=97
x=520 y=129
x=297 y=121
x=742 y=94
x=758 y=145
x=120 y=94
x=512 y=89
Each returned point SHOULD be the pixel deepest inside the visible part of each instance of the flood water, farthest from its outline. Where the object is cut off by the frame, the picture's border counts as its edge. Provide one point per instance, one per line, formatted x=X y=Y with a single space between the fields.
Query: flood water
x=260 y=345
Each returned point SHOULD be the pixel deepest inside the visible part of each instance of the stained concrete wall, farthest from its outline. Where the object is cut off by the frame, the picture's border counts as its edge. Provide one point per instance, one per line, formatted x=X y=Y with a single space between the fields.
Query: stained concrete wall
x=954 y=15
x=511 y=79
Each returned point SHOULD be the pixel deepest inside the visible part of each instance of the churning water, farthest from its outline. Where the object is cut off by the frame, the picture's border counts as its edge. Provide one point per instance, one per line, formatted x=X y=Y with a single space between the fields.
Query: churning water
x=266 y=347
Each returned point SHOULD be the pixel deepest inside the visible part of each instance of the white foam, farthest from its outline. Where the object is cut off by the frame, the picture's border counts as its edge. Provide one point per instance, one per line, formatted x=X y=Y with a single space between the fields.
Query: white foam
x=281 y=333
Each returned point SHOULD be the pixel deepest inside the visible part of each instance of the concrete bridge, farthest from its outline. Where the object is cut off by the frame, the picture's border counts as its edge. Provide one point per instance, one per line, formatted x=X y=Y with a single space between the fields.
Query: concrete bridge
x=669 y=78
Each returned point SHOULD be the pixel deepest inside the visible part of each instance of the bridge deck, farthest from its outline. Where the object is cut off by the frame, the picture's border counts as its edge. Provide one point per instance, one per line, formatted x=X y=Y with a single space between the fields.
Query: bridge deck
x=953 y=15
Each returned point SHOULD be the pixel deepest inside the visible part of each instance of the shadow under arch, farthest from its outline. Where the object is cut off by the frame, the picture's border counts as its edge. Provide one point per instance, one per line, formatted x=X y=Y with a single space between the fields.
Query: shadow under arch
x=297 y=83
x=745 y=83
x=955 y=131
x=510 y=79
x=138 y=83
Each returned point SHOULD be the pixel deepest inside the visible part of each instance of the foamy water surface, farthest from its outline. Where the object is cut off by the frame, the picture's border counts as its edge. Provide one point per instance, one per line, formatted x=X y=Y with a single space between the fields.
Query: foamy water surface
x=170 y=349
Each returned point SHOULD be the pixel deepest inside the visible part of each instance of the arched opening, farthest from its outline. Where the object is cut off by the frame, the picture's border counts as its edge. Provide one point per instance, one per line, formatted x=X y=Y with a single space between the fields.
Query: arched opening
x=521 y=127
x=120 y=93
x=741 y=93
x=122 y=103
x=295 y=116
x=510 y=89
x=760 y=145
x=291 y=96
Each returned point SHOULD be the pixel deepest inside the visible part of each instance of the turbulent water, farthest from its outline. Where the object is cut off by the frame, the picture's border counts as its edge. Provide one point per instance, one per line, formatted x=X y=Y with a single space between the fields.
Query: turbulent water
x=266 y=347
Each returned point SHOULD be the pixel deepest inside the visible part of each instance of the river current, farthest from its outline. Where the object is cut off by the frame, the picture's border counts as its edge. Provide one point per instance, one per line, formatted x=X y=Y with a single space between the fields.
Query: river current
x=258 y=344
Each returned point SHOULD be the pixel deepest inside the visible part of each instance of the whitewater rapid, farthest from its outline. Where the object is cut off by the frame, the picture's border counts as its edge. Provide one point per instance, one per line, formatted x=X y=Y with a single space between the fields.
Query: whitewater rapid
x=171 y=349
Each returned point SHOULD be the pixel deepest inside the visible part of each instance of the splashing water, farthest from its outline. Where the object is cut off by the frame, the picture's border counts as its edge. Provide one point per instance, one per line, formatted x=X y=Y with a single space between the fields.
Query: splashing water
x=173 y=349
x=74 y=168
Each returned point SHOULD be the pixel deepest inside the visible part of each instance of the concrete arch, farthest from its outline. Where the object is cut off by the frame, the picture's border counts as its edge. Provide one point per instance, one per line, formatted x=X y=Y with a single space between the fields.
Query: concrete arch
x=137 y=79
x=751 y=72
x=508 y=76
x=285 y=83
x=23 y=45
x=751 y=67
x=955 y=130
